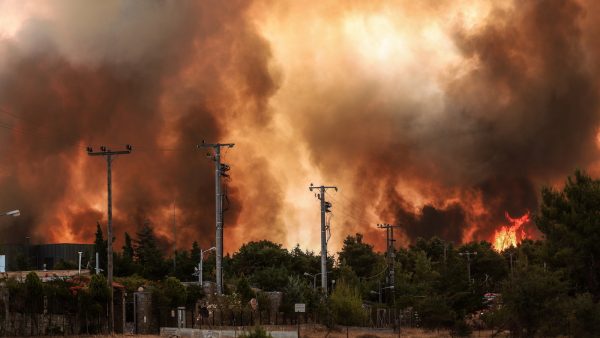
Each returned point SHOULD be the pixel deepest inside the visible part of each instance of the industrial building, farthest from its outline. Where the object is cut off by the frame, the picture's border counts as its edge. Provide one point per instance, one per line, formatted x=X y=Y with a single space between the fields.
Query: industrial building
x=43 y=256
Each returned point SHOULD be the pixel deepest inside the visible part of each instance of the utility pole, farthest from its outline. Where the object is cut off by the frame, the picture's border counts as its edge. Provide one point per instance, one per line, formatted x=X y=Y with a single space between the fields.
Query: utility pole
x=220 y=170
x=469 y=254
x=389 y=229
x=174 y=241
x=109 y=158
x=324 y=209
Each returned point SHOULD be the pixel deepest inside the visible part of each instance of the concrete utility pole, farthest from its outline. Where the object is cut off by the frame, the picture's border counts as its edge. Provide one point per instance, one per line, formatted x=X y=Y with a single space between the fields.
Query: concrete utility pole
x=109 y=158
x=324 y=209
x=390 y=255
x=174 y=241
x=469 y=254
x=220 y=170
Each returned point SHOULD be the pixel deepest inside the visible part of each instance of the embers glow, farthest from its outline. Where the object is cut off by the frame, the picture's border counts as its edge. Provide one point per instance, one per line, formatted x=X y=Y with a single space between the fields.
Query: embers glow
x=512 y=234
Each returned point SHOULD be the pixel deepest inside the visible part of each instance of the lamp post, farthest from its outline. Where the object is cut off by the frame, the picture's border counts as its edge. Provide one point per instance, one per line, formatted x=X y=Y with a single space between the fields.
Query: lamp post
x=199 y=268
x=380 y=290
x=79 y=265
x=12 y=213
x=315 y=277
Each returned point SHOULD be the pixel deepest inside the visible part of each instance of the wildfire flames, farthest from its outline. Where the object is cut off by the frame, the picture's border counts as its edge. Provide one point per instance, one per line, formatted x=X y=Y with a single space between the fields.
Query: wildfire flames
x=512 y=234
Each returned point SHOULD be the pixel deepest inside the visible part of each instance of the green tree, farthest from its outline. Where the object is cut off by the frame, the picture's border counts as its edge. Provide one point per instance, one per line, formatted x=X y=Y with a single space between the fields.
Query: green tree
x=533 y=300
x=184 y=266
x=148 y=255
x=244 y=290
x=125 y=264
x=97 y=293
x=584 y=316
x=569 y=220
x=270 y=278
x=303 y=261
x=358 y=255
x=345 y=303
x=128 y=250
x=264 y=262
x=292 y=294
x=166 y=296
x=195 y=253
x=254 y=256
x=193 y=294
x=101 y=247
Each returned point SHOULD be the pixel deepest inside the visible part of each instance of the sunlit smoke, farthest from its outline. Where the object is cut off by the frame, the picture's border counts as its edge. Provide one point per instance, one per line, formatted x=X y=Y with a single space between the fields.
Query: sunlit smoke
x=433 y=115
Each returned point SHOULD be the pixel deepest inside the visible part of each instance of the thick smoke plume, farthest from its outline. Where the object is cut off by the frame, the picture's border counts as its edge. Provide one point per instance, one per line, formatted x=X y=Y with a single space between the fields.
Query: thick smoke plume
x=438 y=116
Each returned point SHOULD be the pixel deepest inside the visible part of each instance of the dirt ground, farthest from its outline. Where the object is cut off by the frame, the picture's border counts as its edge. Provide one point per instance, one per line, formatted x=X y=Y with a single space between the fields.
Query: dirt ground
x=321 y=332
x=373 y=333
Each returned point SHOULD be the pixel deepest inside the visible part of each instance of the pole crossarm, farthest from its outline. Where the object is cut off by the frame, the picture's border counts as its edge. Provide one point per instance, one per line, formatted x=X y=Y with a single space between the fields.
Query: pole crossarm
x=220 y=170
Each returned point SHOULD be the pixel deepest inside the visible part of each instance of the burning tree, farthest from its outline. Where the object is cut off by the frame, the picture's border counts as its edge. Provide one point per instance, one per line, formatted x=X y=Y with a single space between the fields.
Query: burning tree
x=512 y=234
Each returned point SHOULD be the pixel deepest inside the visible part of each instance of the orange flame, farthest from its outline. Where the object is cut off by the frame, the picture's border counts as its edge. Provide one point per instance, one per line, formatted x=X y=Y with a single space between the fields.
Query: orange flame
x=512 y=234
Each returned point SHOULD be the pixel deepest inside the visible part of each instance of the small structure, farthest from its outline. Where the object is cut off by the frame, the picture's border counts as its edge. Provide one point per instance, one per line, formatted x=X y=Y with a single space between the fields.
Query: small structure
x=40 y=256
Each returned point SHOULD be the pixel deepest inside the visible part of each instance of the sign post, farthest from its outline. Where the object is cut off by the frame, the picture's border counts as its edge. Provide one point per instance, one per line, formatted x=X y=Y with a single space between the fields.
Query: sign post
x=299 y=308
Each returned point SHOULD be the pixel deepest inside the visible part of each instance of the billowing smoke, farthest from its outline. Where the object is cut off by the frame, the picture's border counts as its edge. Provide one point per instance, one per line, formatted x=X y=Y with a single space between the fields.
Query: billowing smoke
x=437 y=116
x=159 y=75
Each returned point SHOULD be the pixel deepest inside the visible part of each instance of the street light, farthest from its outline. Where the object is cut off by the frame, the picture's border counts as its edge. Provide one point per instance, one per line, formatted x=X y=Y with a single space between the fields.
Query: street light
x=199 y=268
x=12 y=213
x=391 y=287
x=315 y=277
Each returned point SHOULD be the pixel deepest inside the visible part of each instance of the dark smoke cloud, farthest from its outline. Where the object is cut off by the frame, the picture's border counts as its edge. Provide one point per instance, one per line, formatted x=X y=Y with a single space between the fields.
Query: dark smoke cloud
x=525 y=113
x=159 y=75
x=517 y=111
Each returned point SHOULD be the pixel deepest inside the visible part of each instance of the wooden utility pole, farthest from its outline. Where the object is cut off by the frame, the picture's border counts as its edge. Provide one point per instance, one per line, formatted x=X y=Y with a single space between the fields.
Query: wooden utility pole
x=109 y=158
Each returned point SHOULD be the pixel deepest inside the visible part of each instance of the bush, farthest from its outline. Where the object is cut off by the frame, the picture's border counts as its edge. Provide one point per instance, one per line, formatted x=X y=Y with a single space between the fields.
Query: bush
x=258 y=332
x=461 y=329
x=584 y=316
x=346 y=305
x=193 y=294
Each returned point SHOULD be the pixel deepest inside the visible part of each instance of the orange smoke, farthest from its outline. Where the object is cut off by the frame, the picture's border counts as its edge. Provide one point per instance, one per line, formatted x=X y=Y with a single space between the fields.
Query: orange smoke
x=512 y=234
x=417 y=111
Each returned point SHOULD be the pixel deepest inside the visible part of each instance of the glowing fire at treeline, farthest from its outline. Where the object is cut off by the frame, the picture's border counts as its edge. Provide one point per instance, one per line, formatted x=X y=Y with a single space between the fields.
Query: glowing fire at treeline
x=511 y=234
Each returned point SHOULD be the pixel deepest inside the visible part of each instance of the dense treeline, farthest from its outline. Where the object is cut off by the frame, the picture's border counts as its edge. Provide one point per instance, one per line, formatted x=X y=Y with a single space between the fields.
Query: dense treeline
x=543 y=287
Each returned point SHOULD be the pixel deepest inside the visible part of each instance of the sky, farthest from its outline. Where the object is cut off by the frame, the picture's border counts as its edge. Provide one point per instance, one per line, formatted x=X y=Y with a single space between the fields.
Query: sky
x=438 y=116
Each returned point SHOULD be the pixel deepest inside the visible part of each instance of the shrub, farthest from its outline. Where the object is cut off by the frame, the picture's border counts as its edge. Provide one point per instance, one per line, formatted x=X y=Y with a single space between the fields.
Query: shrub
x=258 y=332
x=346 y=305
